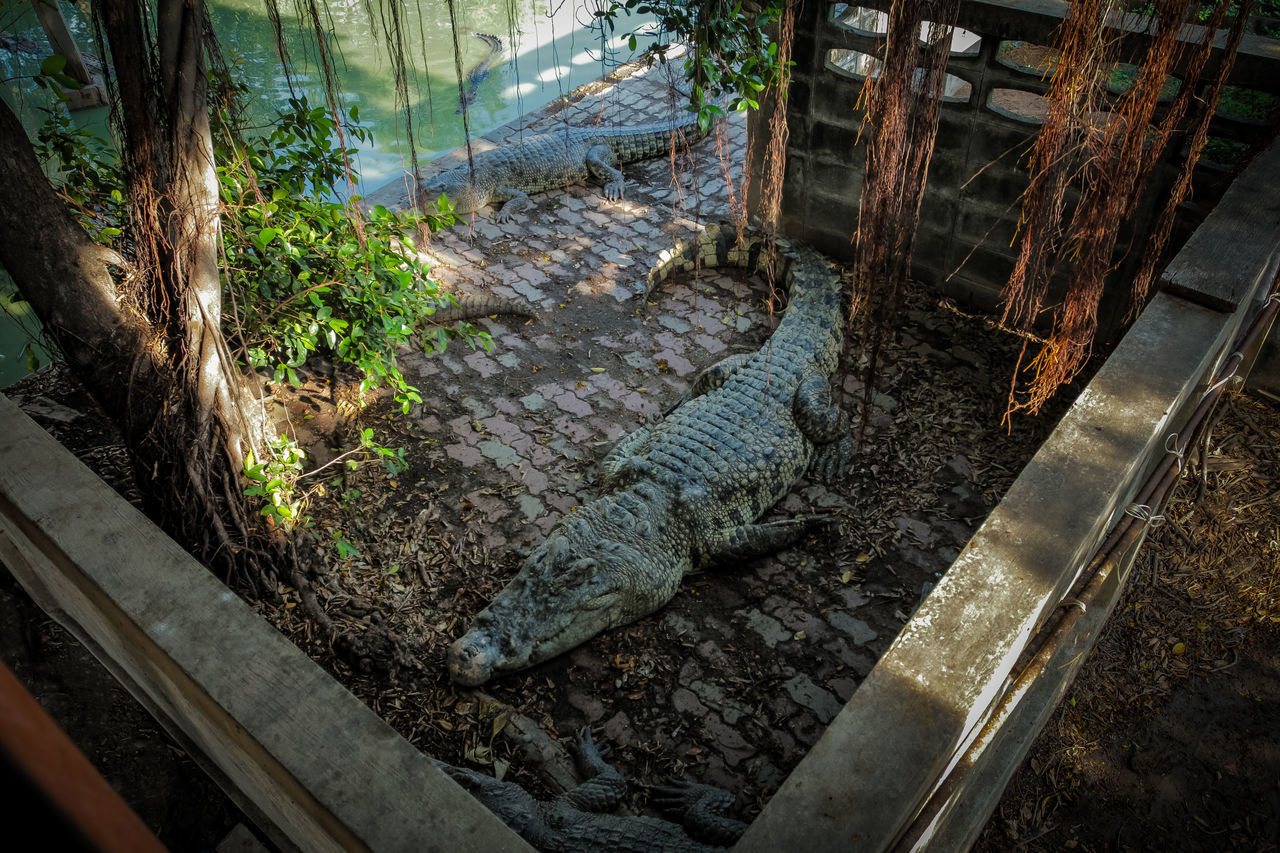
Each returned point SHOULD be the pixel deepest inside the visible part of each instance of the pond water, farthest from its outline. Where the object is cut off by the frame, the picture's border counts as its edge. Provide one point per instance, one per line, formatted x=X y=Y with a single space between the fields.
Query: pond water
x=549 y=48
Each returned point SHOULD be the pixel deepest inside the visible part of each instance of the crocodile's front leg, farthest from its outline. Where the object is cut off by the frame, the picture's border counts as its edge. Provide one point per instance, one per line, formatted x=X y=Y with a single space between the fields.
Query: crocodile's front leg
x=748 y=541
x=518 y=202
x=613 y=464
x=604 y=787
x=816 y=416
x=700 y=809
x=603 y=166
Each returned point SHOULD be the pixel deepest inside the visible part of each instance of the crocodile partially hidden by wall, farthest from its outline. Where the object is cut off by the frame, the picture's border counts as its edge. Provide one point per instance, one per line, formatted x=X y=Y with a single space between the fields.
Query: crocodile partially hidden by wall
x=689 y=488
x=546 y=161
x=579 y=821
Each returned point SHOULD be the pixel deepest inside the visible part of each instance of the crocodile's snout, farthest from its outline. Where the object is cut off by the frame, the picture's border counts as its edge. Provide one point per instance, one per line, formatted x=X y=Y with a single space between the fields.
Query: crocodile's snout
x=472 y=658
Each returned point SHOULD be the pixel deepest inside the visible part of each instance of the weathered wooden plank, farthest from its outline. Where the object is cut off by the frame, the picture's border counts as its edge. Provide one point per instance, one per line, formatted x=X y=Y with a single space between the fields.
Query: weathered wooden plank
x=295 y=747
x=1238 y=244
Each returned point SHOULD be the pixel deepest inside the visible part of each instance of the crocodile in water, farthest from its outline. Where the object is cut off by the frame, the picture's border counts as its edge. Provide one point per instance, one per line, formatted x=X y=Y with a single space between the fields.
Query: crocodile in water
x=579 y=821
x=548 y=161
x=480 y=72
x=689 y=488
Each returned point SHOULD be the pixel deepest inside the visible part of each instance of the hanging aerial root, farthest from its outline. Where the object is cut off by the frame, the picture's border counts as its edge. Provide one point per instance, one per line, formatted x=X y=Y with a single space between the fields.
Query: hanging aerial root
x=1110 y=155
x=901 y=110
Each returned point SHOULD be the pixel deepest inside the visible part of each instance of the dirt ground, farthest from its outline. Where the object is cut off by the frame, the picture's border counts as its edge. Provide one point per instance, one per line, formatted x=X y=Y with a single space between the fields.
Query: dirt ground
x=736 y=678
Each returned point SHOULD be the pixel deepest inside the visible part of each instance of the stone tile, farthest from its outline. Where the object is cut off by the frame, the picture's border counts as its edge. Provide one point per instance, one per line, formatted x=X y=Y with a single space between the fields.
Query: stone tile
x=673 y=361
x=467 y=456
x=769 y=629
x=806 y=694
x=481 y=363
x=857 y=630
x=534 y=402
x=502 y=455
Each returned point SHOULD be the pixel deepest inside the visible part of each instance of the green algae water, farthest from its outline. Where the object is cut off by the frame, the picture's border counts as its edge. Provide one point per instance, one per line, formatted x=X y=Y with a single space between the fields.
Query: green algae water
x=549 y=49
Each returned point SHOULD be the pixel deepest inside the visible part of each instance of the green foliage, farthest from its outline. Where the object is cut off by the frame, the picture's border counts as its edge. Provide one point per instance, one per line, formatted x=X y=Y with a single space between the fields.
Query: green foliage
x=302 y=273
x=730 y=54
x=1248 y=104
x=276 y=481
x=53 y=77
x=305 y=274
x=86 y=173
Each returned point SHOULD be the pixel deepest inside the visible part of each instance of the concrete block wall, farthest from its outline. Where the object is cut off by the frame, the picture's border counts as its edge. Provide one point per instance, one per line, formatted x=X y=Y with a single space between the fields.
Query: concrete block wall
x=971 y=209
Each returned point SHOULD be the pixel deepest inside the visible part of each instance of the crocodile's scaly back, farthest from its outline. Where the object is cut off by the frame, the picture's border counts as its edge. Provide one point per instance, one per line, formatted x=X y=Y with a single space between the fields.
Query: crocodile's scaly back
x=690 y=488
x=545 y=161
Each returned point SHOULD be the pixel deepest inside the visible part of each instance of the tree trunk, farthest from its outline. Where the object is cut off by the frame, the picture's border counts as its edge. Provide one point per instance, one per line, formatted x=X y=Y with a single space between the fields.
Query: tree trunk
x=150 y=348
x=64 y=275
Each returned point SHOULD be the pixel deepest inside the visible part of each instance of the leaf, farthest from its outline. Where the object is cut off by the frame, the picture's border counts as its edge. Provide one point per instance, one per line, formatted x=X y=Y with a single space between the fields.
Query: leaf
x=53 y=64
x=500 y=721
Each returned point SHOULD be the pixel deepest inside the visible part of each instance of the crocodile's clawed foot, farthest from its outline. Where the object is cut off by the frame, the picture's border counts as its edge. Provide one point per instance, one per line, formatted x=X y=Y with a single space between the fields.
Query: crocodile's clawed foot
x=586 y=747
x=613 y=191
x=699 y=808
x=832 y=461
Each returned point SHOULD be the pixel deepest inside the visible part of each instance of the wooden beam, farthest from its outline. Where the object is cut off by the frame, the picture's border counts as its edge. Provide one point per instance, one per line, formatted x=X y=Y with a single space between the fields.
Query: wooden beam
x=316 y=768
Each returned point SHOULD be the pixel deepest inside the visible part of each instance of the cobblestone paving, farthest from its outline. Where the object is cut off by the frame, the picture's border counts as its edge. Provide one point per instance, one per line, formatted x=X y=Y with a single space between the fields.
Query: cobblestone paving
x=735 y=679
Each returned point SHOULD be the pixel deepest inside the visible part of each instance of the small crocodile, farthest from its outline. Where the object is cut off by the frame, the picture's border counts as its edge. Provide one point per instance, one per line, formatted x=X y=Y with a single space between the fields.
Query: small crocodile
x=579 y=821
x=689 y=488
x=472 y=306
x=480 y=72
x=548 y=161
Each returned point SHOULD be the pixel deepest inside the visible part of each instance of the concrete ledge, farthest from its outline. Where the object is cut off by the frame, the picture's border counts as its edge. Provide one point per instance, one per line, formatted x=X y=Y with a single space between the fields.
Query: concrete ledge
x=923 y=705
x=1236 y=248
x=929 y=694
x=298 y=752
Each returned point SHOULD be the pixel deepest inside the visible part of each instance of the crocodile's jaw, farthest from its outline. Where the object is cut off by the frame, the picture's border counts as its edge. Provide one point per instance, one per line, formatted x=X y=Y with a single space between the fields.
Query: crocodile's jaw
x=463 y=198
x=507 y=638
x=532 y=621
x=472 y=658
x=587 y=577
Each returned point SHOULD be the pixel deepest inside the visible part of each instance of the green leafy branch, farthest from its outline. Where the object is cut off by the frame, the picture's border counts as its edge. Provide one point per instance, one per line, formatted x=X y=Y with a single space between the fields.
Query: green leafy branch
x=730 y=53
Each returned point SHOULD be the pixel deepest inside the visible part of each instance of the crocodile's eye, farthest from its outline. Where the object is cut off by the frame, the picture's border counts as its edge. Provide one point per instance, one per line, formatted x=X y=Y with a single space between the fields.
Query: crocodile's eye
x=576 y=574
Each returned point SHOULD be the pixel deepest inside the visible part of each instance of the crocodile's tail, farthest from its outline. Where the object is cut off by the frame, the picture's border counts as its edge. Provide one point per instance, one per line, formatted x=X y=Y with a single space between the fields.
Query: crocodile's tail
x=479 y=72
x=716 y=246
x=470 y=306
x=495 y=43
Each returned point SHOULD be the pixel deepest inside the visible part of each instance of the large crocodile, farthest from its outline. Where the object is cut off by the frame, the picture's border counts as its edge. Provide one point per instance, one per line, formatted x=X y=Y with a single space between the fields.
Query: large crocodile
x=578 y=821
x=689 y=488
x=547 y=161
